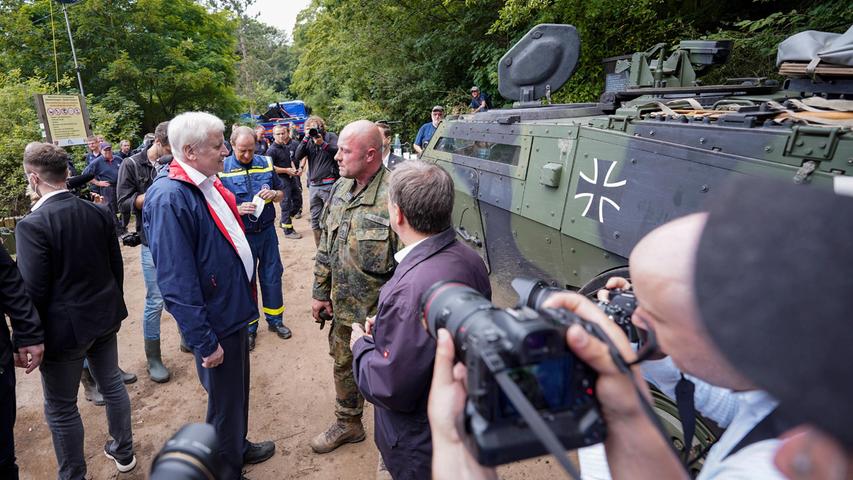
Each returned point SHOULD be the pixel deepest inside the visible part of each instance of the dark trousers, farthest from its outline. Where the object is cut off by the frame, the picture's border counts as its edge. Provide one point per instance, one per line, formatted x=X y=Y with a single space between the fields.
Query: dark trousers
x=292 y=203
x=266 y=256
x=110 y=200
x=8 y=468
x=227 y=389
x=60 y=378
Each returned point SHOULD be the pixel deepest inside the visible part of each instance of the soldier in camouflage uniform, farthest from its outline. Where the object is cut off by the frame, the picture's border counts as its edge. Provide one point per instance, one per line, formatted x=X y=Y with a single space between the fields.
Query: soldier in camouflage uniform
x=354 y=259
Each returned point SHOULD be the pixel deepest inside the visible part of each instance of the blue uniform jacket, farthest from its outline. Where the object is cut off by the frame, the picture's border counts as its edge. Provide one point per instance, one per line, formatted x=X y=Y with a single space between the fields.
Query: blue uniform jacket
x=245 y=183
x=199 y=272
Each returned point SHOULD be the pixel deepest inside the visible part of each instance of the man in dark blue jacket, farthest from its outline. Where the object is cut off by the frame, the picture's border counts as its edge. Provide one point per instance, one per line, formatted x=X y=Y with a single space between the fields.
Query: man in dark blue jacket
x=392 y=361
x=204 y=271
x=25 y=350
x=255 y=185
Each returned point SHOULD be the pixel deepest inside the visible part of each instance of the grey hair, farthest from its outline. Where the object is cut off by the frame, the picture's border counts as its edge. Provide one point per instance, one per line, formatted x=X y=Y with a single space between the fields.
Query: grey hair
x=424 y=192
x=192 y=128
x=241 y=131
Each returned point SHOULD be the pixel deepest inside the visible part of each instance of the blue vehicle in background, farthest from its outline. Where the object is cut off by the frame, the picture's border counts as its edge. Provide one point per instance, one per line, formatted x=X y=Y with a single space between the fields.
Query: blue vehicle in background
x=292 y=112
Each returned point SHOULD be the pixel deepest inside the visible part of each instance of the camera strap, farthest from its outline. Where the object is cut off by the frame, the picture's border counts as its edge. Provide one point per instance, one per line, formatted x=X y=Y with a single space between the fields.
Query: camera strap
x=535 y=422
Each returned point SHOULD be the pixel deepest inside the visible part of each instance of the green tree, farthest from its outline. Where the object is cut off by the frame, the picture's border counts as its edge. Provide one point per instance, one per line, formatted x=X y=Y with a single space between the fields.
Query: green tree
x=19 y=125
x=163 y=56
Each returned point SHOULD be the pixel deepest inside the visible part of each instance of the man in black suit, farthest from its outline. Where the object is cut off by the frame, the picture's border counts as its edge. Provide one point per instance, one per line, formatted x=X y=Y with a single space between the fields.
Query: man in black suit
x=70 y=261
x=26 y=347
x=389 y=159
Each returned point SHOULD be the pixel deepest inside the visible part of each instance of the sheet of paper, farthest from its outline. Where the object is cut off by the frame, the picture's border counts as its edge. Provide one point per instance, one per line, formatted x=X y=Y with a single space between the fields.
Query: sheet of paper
x=259 y=206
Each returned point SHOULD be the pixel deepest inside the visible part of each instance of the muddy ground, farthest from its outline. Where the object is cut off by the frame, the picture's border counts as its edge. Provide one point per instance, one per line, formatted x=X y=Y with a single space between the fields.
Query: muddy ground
x=292 y=394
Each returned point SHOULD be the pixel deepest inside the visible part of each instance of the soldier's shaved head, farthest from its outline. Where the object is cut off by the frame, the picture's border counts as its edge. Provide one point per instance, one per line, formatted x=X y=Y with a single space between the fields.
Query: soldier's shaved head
x=662 y=266
x=360 y=151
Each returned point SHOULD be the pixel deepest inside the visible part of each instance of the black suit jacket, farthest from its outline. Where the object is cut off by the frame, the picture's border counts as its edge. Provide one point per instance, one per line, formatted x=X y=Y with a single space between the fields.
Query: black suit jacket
x=69 y=258
x=14 y=302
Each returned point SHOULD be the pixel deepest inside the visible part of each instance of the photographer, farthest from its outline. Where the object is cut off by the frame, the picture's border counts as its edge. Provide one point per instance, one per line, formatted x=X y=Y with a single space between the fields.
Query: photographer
x=136 y=174
x=662 y=269
x=318 y=150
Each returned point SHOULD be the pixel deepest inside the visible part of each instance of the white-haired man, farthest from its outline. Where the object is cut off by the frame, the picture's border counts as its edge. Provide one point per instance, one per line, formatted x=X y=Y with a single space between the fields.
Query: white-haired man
x=205 y=270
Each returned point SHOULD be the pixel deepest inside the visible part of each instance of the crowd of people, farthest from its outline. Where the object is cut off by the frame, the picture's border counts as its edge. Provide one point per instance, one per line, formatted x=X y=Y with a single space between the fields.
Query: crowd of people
x=747 y=301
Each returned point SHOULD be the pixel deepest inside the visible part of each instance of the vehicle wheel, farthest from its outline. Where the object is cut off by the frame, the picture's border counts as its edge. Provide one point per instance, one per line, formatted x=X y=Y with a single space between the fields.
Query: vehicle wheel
x=706 y=433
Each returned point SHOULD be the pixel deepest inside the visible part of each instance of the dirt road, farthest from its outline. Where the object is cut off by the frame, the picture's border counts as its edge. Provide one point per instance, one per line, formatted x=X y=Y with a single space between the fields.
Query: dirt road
x=292 y=395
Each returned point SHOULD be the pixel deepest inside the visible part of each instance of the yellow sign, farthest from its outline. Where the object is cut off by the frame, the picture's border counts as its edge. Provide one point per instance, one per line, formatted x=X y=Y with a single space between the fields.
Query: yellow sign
x=65 y=119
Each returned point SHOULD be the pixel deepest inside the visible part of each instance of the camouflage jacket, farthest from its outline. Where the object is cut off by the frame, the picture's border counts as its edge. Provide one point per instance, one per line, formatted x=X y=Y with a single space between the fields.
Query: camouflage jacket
x=356 y=253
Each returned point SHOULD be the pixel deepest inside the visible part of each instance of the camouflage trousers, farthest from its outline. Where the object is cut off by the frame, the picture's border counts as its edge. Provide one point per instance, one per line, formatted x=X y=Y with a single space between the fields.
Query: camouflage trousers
x=349 y=403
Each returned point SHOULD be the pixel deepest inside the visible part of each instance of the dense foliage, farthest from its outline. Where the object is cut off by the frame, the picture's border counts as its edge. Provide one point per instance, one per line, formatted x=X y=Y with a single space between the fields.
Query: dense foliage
x=386 y=59
x=143 y=61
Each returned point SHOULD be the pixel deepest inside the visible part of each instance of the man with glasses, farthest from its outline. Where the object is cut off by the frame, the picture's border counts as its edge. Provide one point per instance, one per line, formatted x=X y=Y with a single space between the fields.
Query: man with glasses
x=427 y=130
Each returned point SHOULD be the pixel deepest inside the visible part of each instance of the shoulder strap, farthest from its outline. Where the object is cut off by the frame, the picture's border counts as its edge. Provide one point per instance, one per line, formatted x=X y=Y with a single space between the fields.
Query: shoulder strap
x=769 y=427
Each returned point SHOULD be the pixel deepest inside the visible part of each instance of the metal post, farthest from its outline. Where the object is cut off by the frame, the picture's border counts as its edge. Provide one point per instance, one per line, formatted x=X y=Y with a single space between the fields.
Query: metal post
x=73 y=52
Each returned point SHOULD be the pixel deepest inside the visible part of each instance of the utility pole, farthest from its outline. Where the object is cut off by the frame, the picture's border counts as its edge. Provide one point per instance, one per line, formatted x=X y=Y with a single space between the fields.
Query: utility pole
x=73 y=52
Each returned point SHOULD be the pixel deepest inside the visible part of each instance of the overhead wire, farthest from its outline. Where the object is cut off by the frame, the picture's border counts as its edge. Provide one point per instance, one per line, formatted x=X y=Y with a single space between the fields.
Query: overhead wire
x=55 y=55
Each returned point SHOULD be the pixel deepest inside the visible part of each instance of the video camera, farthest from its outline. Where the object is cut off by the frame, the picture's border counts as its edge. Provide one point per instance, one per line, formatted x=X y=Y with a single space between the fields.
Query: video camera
x=517 y=358
x=191 y=454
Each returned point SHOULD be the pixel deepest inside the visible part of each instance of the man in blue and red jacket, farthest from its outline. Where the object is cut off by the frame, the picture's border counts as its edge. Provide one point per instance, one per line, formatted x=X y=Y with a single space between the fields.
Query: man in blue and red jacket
x=250 y=177
x=205 y=271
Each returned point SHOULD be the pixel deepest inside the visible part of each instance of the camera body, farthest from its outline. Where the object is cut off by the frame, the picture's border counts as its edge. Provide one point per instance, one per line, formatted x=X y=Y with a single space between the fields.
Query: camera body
x=314 y=133
x=531 y=346
x=620 y=304
x=131 y=239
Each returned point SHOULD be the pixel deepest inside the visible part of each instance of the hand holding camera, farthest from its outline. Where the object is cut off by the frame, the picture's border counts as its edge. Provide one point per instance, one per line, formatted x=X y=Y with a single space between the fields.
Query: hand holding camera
x=558 y=360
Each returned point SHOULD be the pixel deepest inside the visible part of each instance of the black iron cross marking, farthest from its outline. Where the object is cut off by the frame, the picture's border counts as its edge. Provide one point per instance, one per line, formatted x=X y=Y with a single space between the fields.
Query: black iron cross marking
x=595 y=188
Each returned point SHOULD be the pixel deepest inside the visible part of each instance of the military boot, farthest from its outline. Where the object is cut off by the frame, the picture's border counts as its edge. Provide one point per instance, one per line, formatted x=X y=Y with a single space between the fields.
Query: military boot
x=90 y=389
x=337 y=434
x=156 y=370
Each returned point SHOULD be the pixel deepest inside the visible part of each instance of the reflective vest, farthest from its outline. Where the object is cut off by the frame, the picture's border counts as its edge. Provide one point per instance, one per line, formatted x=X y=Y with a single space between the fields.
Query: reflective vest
x=245 y=183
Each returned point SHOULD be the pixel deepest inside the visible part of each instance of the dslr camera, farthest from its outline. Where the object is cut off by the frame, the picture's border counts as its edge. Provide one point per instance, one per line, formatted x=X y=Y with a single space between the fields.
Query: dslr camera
x=619 y=307
x=191 y=454
x=314 y=133
x=527 y=344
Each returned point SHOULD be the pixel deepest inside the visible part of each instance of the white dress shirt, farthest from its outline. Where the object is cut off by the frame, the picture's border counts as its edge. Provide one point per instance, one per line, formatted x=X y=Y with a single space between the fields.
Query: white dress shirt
x=45 y=197
x=737 y=412
x=399 y=256
x=220 y=207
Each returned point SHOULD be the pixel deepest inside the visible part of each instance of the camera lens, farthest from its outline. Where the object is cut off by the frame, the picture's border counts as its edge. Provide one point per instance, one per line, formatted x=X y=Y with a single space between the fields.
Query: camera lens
x=189 y=455
x=449 y=305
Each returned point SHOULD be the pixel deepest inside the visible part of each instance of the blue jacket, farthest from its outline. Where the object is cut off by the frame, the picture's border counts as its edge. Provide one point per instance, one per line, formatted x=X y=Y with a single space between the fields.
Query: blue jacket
x=199 y=272
x=245 y=181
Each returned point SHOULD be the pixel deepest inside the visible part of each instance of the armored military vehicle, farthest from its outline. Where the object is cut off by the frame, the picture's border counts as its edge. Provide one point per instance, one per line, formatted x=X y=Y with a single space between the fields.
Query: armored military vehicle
x=564 y=192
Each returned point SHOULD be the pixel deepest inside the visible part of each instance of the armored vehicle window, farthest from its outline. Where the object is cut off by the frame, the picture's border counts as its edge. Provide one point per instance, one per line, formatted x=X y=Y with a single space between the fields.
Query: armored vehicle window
x=493 y=152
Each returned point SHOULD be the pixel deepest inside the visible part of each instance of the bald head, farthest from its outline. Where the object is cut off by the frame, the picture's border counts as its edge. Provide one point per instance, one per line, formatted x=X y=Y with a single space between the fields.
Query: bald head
x=662 y=266
x=360 y=151
x=666 y=255
x=365 y=132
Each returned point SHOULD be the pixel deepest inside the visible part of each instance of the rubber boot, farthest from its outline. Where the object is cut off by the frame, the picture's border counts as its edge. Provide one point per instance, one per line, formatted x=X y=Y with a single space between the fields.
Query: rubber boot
x=337 y=434
x=90 y=389
x=156 y=370
x=316 y=237
x=184 y=347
